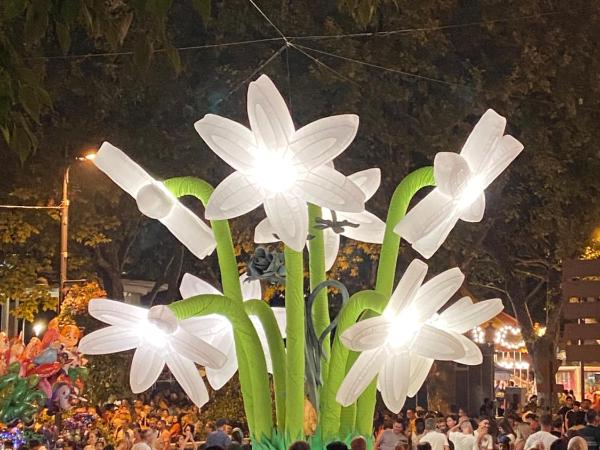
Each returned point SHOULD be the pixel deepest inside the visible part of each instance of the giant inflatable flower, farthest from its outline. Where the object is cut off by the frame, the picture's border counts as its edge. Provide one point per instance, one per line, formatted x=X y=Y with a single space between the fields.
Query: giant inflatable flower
x=217 y=330
x=399 y=346
x=278 y=166
x=159 y=339
x=155 y=201
x=363 y=226
x=461 y=180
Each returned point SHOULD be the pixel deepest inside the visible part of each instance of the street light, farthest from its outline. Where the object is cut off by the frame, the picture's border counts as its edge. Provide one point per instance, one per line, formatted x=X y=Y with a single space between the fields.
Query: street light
x=64 y=225
x=38 y=327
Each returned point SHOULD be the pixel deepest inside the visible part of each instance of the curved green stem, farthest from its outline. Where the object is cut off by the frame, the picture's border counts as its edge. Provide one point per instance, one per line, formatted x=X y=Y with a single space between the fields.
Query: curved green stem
x=295 y=340
x=330 y=409
x=252 y=380
x=202 y=305
x=386 y=272
x=317 y=274
x=265 y=314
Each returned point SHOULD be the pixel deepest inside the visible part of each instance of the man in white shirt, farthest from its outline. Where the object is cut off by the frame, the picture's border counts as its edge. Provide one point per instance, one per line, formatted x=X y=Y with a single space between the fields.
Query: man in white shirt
x=437 y=440
x=462 y=435
x=483 y=439
x=543 y=439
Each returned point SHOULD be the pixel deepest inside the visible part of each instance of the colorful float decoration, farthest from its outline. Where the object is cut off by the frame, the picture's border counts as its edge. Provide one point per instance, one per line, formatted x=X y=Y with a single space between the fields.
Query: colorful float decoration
x=47 y=372
x=386 y=338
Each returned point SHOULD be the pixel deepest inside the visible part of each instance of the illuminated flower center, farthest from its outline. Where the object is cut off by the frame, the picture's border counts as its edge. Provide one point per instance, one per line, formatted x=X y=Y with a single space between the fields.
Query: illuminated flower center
x=157 y=328
x=473 y=189
x=274 y=171
x=155 y=201
x=404 y=327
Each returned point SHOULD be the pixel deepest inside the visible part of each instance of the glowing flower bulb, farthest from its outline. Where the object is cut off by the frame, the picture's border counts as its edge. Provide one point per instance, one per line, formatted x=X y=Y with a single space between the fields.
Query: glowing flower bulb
x=461 y=180
x=159 y=339
x=278 y=166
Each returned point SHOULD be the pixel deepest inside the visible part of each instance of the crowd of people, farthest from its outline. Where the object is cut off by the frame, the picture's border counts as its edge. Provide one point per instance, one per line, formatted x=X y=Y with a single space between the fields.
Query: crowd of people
x=165 y=422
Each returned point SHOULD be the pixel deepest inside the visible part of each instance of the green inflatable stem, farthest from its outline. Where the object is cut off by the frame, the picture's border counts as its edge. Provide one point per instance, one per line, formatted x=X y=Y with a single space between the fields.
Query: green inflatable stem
x=260 y=394
x=295 y=339
x=265 y=314
x=317 y=274
x=386 y=272
x=350 y=313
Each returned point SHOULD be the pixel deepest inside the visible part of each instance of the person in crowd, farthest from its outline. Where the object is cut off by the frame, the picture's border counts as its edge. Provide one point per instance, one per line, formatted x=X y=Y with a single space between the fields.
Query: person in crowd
x=487 y=409
x=358 y=443
x=390 y=437
x=418 y=433
x=219 y=436
x=578 y=424
x=506 y=429
x=299 y=445
x=163 y=441
x=483 y=439
x=148 y=437
x=591 y=432
x=410 y=421
x=586 y=405
x=543 y=436
x=424 y=446
x=571 y=414
x=577 y=443
x=566 y=407
x=337 y=445
x=237 y=438
x=557 y=426
x=461 y=435
x=436 y=439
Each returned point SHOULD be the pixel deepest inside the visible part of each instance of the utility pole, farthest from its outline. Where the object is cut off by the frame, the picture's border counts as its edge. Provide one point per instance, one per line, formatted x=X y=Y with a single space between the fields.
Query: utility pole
x=64 y=236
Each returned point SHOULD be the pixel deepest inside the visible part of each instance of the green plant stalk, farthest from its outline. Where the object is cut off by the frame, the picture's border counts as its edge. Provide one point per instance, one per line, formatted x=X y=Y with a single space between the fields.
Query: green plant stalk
x=351 y=311
x=251 y=380
x=295 y=342
x=386 y=272
x=265 y=314
x=317 y=274
x=348 y=414
x=202 y=305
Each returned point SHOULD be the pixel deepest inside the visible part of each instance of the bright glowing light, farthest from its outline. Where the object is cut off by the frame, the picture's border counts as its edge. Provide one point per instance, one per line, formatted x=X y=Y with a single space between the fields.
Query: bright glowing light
x=471 y=192
x=404 y=328
x=90 y=156
x=274 y=171
x=152 y=334
x=512 y=364
x=478 y=335
x=38 y=327
x=514 y=342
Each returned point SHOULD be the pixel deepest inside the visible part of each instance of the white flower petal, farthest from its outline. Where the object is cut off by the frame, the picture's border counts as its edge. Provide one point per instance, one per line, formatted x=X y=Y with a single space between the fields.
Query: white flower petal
x=192 y=285
x=281 y=319
x=251 y=290
x=289 y=217
x=393 y=381
x=329 y=188
x=474 y=212
x=487 y=130
x=419 y=369
x=120 y=168
x=331 y=242
x=207 y=327
x=262 y=337
x=370 y=227
x=187 y=375
x=146 y=366
x=407 y=288
x=231 y=141
x=451 y=173
x=473 y=356
x=436 y=292
x=269 y=116
x=368 y=181
x=321 y=141
x=217 y=378
x=360 y=375
x=190 y=230
x=499 y=158
x=463 y=315
x=264 y=232
x=234 y=196
x=196 y=349
x=429 y=222
x=431 y=342
x=116 y=313
x=366 y=334
x=108 y=340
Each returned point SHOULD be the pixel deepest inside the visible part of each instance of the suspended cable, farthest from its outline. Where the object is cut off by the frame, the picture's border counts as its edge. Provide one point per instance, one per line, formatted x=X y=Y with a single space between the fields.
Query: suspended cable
x=269 y=20
x=322 y=64
x=28 y=207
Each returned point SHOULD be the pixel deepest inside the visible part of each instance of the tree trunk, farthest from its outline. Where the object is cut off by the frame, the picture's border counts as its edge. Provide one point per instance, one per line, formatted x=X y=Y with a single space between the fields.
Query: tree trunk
x=543 y=357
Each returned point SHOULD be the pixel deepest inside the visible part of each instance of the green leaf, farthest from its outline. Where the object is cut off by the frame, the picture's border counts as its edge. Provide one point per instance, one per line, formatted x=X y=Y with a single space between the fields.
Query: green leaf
x=30 y=101
x=69 y=11
x=64 y=37
x=44 y=97
x=203 y=8
x=30 y=134
x=36 y=20
x=142 y=53
x=174 y=59
x=160 y=7
x=20 y=143
x=14 y=8
x=5 y=133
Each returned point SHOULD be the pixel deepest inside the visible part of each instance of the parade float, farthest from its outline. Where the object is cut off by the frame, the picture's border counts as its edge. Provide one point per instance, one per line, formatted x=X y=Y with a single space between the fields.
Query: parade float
x=383 y=339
